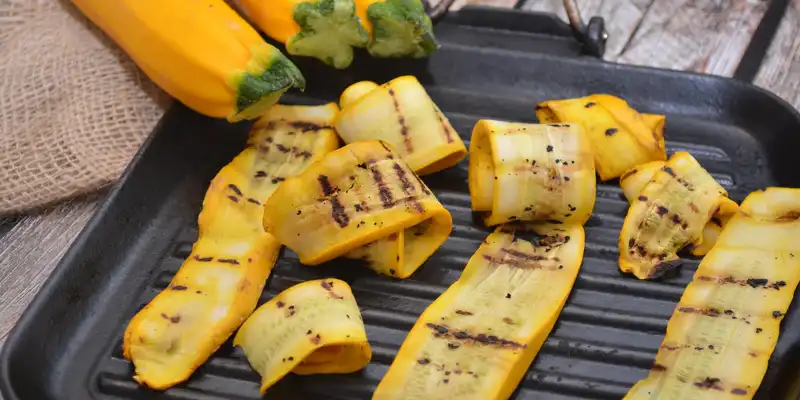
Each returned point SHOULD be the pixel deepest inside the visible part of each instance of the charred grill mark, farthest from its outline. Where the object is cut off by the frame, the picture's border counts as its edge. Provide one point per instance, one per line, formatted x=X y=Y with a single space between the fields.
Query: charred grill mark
x=482 y=338
x=315 y=339
x=590 y=104
x=463 y=312
x=662 y=268
x=387 y=200
x=306 y=126
x=305 y=154
x=525 y=256
x=338 y=212
x=789 y=216
x=694 y=208
x=325 y=184
x=254 y=201
x=642 y=198
x=261 y=174
x=282 y=148
x=178 y=288
x=278 y=179
x=709 y=383
x=628 y=174
x=662 y=211
x=611 y=131
x=422 y=185
x=233 y=198
x=669 y=171
x=448 y=134
x=738 y=391
x=402 y=121
x=753 y=282
x=280 y=304
x=203 y=259
x=708 y=311
x=328 y=286
x=658 y=367
x=235 y=189
x=231 y=261
x=408 y=187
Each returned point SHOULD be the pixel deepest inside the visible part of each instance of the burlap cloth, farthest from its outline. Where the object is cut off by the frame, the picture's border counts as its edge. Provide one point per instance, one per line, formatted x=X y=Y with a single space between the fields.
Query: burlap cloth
x=73 y=108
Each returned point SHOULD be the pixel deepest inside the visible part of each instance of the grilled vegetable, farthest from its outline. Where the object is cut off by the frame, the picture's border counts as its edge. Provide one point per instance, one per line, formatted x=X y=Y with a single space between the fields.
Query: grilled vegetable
x=621 y=137
x=218 y=285
x=360 y=194
x=402 y=114
x=726 y=325
x=668 y=214
x=634 y=181
x=477 y=340
x=399 y=28
x=531 y=172
x=324 y=29
x=213 y=61
x=314 y=327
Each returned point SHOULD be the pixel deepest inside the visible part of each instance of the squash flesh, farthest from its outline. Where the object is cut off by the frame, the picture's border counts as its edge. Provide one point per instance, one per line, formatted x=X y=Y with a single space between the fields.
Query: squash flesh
x=479 y=337
x=314 y=327
x=726 y=325
x=401 y=114
x=527 y=172
x=621 y=137
x=218 y=285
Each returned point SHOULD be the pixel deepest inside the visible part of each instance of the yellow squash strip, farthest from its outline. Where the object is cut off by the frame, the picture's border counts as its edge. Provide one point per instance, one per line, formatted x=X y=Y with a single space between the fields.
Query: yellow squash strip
x=669 y=213
x=621 y=137
x=723 y=331
x=633 y=181
x=401 y=114
x=314 y=327
x=200 y=51
x=362 y=194
x=218 y=285
x=478 y=338
x=531 y=172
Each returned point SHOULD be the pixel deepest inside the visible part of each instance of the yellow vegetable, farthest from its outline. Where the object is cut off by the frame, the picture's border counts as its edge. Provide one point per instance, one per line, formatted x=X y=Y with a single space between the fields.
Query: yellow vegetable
x=669 y=213
x=401 y=114
x=531 y=172
x=200 y=51
x=218 y=285
x=314 y=327
x=477 y=340
x=621 y=137
x=723 y=331
x=633 y=181
x=360 y=194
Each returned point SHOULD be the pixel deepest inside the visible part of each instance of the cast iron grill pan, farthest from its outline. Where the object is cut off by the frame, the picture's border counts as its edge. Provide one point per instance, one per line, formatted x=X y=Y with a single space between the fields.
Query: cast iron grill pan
x=68 y=343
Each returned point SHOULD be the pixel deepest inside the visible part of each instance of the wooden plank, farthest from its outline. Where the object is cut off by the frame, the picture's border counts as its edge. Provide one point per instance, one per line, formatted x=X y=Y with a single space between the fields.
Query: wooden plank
x=780 y=71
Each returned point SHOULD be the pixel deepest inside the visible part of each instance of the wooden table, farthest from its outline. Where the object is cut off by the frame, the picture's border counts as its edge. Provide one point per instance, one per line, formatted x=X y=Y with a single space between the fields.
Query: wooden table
x=698 y=35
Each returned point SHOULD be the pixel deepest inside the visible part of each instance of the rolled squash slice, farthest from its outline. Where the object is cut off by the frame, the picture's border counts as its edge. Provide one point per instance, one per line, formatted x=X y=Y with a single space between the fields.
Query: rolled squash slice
x=401 y=114
x=361 y=201
x=477 y=340
x=314 y=327
x=670 y=212
x=199 y=51
x=634 y=181
x=725 y=327
x=218 y=285
x=527 y=172
x=621 y=137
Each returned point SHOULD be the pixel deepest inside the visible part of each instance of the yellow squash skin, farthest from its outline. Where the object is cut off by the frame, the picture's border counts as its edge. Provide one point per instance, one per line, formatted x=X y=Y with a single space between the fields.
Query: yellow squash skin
x=199 y=51
x=528 y=172
x=621 y=137
x=669 y=213
x=401 y=114
x=725 y=327
x=634 y=181
x=477 y=340
x=355 y=196
x=314 y=327
x=218 y=285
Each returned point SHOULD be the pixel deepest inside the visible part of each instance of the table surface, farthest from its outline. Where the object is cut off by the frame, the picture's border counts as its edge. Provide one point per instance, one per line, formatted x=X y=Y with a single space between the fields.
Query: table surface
x=707 y=36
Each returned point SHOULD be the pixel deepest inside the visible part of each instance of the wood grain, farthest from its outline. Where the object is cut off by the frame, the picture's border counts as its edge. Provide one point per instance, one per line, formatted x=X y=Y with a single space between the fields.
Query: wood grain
x=780 y=71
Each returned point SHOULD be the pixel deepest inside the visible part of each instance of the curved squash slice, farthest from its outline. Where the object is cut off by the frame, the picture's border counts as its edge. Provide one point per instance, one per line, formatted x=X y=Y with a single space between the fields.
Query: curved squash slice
x=725 y=327
x=621 y=137
x=669 y=213
x=402 y=114
x=634 y=181
x=220 y=282
x=361 y=201
x=314 y=327
x=478 y=338
x=531 y=172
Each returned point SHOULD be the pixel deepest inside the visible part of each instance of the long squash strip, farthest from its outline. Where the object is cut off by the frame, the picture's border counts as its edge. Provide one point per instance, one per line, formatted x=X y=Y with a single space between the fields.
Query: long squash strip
x=634 y=181
x=218 y=285
x=314 y=327
x=360 y=201
x=401 y=114
x=621 y=137
x=670 y=213
x=478 y=338
x=725 y=327
x=527 y=172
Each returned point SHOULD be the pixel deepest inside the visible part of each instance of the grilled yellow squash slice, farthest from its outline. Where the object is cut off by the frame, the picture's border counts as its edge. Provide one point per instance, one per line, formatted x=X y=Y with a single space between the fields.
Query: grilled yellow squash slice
x=362 y=195
x=634 y=181
x=726 y=325
x=670 y=213
x=480 y=336
x=527 y=172
x=401 y=114
x=218 y=286
x=314 y=327
x=621 y=137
